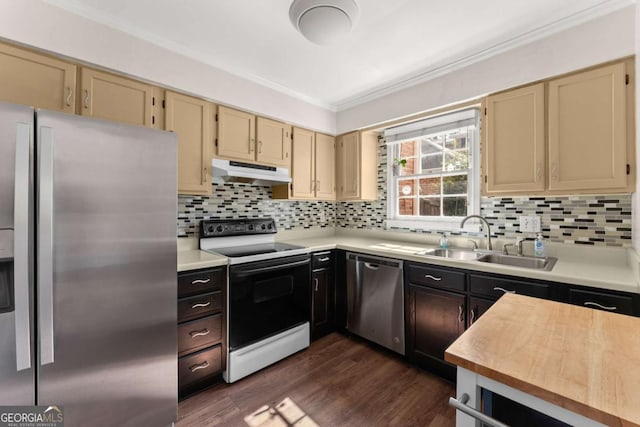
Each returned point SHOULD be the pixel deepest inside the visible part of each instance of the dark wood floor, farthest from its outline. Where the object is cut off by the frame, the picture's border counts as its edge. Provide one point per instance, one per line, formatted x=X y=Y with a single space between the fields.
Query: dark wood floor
x=337 y=381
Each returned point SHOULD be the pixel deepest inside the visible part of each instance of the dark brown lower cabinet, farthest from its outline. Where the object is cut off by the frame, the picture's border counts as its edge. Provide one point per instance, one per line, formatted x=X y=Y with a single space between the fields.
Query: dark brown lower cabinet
x=477 y=307
x=322 y=293
x=434 y=319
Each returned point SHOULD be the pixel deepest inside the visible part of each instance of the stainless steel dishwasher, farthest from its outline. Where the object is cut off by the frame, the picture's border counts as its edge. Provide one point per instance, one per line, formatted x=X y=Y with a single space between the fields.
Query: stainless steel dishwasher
x=375 y=300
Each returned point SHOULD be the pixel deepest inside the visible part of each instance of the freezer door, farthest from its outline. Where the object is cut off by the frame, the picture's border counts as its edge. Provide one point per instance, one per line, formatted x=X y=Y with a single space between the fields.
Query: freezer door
x=16 y=253
x=106 y=216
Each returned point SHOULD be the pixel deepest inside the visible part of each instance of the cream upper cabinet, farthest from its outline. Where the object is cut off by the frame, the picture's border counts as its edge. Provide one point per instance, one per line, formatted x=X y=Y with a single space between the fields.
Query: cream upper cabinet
x=192 y=120
x=514 y=149
x=356 y=160
x=587 y=130
x=274 y=142
x=37 y=80
x=116 y=98
x=325 y=175
x=303 y=165
x=236 y=134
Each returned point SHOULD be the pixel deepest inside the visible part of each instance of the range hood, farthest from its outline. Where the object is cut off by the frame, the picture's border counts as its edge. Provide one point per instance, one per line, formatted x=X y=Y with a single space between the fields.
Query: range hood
x=231 y=171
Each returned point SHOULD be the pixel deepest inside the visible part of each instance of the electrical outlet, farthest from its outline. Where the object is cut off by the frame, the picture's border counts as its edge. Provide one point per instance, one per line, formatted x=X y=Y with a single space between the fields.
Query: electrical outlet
x=323 y=217
x=530 y=224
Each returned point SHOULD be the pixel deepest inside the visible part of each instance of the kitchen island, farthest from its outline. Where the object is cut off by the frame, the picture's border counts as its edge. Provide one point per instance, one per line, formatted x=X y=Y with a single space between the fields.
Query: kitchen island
x=578 y=365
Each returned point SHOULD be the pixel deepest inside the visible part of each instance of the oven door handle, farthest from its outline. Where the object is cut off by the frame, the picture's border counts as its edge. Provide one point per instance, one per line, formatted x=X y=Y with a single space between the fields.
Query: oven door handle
x=239 y=272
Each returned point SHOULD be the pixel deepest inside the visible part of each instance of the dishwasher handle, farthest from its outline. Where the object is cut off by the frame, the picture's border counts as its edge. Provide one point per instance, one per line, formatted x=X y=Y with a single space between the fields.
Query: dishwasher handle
x=374 y=262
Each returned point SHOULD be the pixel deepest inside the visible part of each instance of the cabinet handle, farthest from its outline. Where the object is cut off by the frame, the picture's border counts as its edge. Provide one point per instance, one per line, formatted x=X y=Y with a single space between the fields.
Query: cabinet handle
x=428 y=276
x=460 y=313
x=259 y=147
x=202 y=365
x=69 y=93
x=604 y=307
x=86 y=99
x=200 y=333
x=472 y=316
x=317 y=185
x=286 y=155
x=252 y=143
x=317 y=281
x=554 y=171
x=201 y=304
x=325 y=259
x=504 y=290
x=462 y=406
x=539 y=170
x=198 y=281
x=204 y=174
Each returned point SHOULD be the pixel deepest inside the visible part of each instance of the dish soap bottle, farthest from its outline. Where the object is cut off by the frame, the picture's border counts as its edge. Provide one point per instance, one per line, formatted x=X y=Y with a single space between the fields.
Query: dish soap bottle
x=538 y=247
x=444 y=241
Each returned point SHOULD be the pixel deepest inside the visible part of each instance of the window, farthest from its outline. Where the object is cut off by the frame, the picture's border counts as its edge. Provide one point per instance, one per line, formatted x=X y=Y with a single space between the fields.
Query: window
x=438 y=184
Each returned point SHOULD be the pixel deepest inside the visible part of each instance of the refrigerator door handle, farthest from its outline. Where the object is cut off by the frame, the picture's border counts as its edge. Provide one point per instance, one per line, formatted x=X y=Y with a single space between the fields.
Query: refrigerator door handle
x=21 y=246
x=45 y=244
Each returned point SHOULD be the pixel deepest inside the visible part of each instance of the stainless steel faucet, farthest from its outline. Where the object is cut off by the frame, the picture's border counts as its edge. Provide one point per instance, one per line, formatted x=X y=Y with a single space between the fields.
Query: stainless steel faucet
x=489 y=246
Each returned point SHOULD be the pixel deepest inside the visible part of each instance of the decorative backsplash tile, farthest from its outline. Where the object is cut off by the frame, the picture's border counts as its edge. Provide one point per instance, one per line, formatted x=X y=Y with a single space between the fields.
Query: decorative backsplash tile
x=235 y=200
x=584 y=219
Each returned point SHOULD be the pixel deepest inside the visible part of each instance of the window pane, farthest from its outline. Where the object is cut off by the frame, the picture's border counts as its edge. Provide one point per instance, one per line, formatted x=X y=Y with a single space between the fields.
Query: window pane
x=430 y=207
x=430 y=186
x=432 y=162
x=455 y=206
x=456 y=142
x=406 y=187
x=431 y=145
x=406 y=207
x=456 y=184
x=456 y=160
x=408 y=149
x=410 y=168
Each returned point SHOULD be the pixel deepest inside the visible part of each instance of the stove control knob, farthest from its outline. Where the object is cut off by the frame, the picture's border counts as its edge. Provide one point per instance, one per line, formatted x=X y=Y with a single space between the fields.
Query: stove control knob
x=210 y=229
x=270 y=226
x=219 y=228
x=250 y=227
x=264 y=227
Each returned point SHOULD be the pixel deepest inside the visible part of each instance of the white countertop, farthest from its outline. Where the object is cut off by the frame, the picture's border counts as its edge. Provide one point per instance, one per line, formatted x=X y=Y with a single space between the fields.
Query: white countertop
x=606 y=268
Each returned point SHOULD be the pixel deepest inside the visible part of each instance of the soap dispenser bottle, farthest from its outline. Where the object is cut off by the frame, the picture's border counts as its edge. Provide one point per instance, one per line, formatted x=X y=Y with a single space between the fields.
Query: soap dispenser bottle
x=444 y=241
x=538 y=247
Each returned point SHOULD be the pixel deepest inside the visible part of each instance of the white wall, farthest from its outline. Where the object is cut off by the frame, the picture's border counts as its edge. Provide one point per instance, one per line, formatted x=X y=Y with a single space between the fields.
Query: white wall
x=606 y=38
x=38 y=24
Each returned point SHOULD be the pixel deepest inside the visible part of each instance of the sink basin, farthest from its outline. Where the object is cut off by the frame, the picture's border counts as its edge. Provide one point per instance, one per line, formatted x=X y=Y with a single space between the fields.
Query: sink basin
x=453 y=253
x=519 y=261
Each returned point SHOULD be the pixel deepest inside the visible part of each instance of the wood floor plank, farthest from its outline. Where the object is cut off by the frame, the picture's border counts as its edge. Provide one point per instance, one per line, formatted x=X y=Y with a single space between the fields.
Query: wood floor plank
x=337 y=381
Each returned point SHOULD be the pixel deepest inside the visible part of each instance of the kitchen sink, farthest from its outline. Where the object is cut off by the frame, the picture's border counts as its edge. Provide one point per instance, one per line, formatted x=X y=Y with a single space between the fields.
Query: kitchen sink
x=461 y=254
x=519 y=261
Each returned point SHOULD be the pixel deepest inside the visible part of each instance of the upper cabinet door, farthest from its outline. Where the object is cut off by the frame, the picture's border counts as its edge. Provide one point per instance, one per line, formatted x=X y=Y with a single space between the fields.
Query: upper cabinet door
x=36 y=80
x=116 y=98
x=191 y=119
x=325 y=155
x=303 y=185
x=348 y=160
x=587 y=130
x=514 y=153
x=274 y=142
x=236 y=134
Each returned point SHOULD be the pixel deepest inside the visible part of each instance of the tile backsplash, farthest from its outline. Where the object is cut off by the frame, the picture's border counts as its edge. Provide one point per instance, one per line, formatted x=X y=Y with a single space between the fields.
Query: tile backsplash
x=584 y=219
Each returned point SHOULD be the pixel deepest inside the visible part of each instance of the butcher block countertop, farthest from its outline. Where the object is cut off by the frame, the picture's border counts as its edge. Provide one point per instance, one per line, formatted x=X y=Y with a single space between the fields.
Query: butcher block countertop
x=584 y=360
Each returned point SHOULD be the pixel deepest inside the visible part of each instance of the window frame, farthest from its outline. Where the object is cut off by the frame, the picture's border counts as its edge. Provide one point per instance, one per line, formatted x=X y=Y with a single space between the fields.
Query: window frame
x=436 y=223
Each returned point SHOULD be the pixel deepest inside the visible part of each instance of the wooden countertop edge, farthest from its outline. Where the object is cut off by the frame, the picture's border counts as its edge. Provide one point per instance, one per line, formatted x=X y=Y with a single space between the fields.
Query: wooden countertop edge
x=555 y=398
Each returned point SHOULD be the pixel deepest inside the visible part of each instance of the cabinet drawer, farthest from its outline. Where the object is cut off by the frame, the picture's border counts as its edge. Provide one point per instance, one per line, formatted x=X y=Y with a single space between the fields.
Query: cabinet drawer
x=199 y=366
x=199 y=306
x=321 y=259
x=193 y=283
x=198 y=334
x=436 y=277
x=622 y=304
x=494 y=287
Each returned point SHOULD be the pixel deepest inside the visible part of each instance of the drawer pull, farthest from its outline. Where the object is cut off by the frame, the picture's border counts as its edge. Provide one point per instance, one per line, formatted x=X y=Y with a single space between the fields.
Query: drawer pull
x=317 y=282
x=200 y=333
x=461 y=405
x=472 y=317
x=497 y=288
x=604 y=307
x=199 y=366
x=325 y=259
x=460 y=313
x=201 y=304
x=428 y=276
x=198 y=281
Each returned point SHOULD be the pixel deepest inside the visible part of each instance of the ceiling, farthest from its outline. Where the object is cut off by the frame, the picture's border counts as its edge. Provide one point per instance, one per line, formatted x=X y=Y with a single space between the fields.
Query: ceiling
x=394 y=44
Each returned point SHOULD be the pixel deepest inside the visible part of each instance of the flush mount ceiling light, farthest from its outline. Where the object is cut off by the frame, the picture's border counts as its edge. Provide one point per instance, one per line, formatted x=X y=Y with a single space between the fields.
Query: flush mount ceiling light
x=323 y=21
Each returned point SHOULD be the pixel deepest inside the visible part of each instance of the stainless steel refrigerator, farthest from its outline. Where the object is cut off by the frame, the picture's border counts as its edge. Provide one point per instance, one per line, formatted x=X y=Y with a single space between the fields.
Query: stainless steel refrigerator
x=87 y=268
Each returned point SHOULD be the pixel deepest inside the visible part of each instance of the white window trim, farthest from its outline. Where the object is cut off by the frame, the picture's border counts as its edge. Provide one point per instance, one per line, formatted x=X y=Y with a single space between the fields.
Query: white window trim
x=437 y=223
